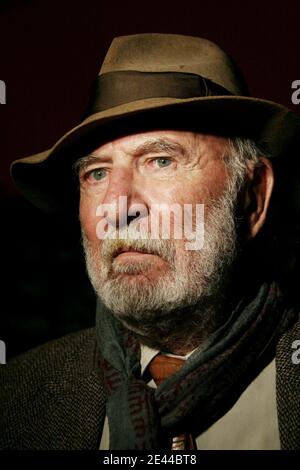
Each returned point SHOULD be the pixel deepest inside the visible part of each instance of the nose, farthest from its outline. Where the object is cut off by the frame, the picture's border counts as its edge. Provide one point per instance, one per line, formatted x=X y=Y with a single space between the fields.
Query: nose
x=122 y=193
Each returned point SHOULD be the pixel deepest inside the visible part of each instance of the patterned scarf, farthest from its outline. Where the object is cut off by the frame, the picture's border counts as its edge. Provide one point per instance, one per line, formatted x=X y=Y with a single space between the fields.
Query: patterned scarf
x=203 y=390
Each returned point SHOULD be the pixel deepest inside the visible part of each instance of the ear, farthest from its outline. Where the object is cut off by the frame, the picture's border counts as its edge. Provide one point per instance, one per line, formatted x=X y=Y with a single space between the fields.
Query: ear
x=257 y=195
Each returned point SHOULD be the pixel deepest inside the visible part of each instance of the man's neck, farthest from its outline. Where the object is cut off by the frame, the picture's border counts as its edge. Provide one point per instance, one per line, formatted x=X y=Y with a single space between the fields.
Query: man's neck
x=181 y=334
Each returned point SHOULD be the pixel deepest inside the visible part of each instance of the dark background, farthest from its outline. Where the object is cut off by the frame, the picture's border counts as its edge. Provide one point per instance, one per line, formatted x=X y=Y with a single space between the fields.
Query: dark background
x=50 y=53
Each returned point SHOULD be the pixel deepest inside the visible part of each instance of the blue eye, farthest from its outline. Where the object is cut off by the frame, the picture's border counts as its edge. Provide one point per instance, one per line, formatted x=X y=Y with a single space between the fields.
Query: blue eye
x=164 y=162
x=97 y=174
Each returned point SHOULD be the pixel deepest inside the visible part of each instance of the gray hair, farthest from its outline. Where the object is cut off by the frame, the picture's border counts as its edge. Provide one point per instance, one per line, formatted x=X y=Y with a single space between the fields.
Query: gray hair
x=240 y=152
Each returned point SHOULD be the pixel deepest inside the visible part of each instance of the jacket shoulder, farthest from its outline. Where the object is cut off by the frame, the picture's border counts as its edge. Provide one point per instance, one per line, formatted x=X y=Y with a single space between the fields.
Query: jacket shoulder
x=51 y=397
x=288 y=387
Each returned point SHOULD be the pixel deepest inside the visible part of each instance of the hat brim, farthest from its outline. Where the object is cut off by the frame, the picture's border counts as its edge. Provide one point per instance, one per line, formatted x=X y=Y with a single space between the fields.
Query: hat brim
x=43 y=177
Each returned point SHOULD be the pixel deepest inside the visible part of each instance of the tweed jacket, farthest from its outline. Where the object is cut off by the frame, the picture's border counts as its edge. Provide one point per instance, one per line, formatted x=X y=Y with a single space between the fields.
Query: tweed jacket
x=52 y=398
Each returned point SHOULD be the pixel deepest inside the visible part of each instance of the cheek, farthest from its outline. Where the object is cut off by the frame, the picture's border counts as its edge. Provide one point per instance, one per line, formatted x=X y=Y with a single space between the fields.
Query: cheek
x=208 y=185
x=196 y=186
x=87 y=216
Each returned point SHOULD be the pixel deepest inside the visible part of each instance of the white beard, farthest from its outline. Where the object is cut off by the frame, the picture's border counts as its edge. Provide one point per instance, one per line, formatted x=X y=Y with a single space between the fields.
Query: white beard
x=193 y=278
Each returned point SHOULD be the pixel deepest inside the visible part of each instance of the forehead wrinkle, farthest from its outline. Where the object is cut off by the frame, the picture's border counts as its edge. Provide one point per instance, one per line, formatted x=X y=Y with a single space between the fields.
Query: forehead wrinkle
x=153 y=145
x=159 y=145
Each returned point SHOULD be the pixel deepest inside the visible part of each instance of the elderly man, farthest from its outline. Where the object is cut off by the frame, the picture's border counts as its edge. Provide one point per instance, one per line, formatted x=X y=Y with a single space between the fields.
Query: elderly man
x=179 y=177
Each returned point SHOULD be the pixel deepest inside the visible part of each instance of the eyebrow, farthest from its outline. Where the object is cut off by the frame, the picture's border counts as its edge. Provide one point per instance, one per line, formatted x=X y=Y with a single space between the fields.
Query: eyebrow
x=159 y=145
x=150 y=146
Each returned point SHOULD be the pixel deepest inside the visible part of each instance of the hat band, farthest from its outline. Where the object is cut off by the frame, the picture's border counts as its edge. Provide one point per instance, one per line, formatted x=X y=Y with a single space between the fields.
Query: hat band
x=116 y=88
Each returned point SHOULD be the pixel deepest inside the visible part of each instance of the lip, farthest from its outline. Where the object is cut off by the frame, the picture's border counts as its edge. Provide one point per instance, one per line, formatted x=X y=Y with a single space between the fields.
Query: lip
x=132 y=252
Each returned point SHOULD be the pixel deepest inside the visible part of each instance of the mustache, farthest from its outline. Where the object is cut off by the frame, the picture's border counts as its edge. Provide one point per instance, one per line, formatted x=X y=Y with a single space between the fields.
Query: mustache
x=111 y=247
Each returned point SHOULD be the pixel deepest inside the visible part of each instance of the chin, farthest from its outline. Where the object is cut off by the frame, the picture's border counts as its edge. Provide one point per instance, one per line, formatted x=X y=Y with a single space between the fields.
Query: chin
x=136 y=279
x=139 y=270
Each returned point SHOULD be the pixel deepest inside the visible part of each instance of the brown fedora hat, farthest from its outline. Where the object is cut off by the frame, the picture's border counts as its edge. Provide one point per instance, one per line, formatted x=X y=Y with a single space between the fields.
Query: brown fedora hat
x=158 y=80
